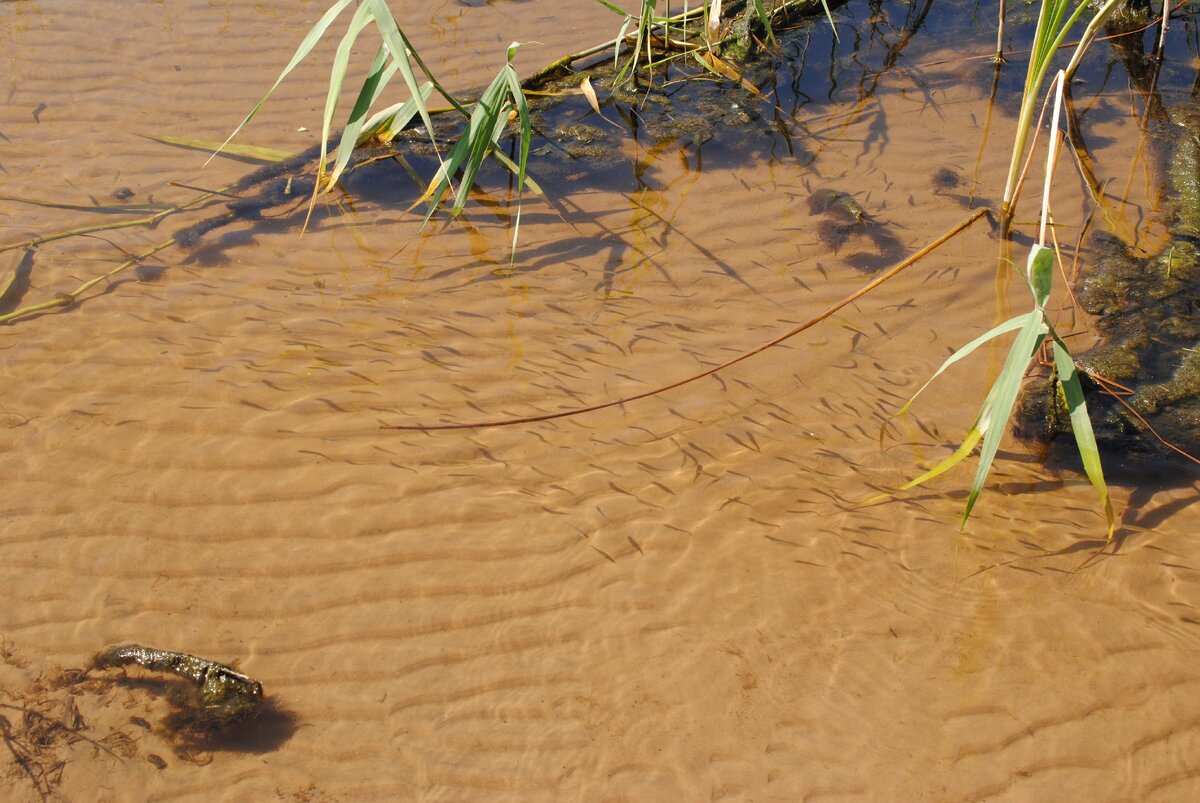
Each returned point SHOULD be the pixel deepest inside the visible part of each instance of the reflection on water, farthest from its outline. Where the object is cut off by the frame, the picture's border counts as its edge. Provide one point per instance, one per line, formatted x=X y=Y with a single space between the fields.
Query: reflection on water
x=682 y=597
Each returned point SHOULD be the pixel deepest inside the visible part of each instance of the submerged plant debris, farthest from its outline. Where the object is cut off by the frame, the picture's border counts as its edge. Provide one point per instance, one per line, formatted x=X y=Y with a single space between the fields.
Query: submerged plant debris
x=43 y=726
x=221 y=698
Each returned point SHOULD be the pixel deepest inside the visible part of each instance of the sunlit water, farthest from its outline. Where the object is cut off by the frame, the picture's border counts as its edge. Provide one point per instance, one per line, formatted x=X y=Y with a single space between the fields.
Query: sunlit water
x=678 y=598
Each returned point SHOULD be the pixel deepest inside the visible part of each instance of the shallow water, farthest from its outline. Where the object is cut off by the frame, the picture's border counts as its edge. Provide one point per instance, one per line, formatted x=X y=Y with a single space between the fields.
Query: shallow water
x=680 y=598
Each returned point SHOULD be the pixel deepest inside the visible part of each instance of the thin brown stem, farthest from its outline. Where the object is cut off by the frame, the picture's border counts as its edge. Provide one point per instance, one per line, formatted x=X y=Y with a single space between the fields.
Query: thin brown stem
x=862 y=291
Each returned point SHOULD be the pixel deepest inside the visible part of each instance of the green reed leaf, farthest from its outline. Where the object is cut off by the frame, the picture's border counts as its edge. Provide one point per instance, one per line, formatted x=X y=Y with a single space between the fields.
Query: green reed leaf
x=385 y=124
x=377 y=77
x=965 y=351
x=765 y=19
x=363 y=16
x=226 y=149
x=1081 y=426
x=1040 y=273
x=1008 y=384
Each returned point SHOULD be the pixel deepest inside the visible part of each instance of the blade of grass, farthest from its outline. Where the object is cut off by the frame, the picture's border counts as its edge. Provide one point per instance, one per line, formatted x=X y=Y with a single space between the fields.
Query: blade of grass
x=385 y=124
x=983 y=419
x=1049 y=35
x=104 y=209
x=941 y=468
x=1040 y=271
x=244 y=151
x=829 y=16
x=363 y=16
x=765 y=19
x=1008 y=326
x=1005 y=396
x=377 y=78
x=481 y=137
x=401 y=51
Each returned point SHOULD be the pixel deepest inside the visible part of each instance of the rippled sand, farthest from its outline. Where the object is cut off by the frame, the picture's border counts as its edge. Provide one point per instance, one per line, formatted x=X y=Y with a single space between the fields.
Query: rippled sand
x=681 y=598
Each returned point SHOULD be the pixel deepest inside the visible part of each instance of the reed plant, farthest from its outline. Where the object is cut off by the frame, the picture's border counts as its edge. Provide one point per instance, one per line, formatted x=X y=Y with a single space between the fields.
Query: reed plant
x=1033 y=330
x=504 y=98
x=503 y=102
x=396 y=55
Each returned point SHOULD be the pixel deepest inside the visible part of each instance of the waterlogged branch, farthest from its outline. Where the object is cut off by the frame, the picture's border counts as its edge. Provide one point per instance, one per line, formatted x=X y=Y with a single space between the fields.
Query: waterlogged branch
x=67 y=299
x=908 y=262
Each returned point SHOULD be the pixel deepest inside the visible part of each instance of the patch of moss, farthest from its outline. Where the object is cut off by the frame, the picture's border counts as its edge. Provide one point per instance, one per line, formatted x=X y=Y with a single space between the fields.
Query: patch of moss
x=1184 y=171
x=580 y=133
x=1117 y=361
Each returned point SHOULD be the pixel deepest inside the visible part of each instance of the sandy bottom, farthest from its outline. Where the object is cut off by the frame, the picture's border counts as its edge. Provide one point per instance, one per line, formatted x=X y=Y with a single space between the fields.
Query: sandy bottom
x=681 y=598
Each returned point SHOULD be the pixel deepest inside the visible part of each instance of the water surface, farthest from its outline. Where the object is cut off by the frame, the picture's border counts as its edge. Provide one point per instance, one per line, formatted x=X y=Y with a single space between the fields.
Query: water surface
x=680 y=598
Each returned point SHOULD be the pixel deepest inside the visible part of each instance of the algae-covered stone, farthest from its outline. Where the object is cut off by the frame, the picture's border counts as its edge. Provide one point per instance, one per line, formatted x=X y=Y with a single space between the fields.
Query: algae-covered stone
x=1117 y=361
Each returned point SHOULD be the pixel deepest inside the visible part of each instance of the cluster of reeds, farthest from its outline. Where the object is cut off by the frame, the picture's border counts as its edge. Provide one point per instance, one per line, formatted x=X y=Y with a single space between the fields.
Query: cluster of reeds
x=695 y=31
x=486 y=120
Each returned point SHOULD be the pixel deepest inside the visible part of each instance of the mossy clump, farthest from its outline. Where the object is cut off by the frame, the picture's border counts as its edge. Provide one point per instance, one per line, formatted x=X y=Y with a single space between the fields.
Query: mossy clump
x=1184 y=171
x=220 y=699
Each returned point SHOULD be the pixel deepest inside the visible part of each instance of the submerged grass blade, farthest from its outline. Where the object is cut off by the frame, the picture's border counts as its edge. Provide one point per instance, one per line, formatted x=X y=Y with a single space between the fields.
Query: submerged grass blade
x=225 y=149
x=103 y=209
x=515 y=169
x=613 y=7
x=945 y=465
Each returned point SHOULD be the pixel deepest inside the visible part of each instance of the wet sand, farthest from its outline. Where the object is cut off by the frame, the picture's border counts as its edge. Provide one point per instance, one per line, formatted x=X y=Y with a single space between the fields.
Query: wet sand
x=681 y=598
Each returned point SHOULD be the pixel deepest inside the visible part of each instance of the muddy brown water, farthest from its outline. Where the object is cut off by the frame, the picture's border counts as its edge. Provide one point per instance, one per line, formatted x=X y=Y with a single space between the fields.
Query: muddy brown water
x=677 y=599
